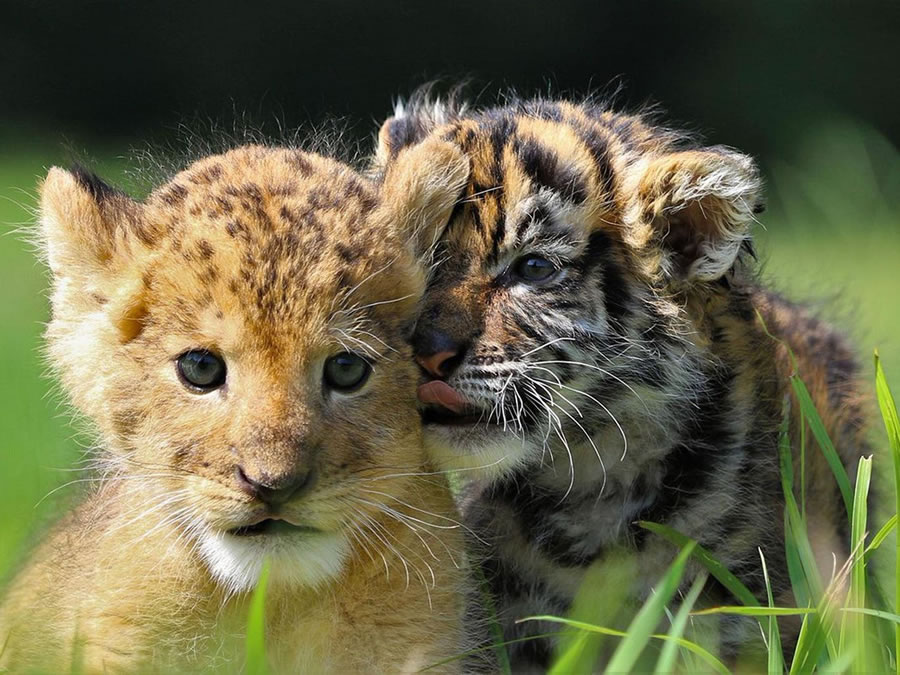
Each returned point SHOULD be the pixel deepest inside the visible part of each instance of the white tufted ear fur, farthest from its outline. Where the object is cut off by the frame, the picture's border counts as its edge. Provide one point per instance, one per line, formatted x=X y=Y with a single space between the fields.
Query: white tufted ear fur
x=413 y=120
x=696 y=207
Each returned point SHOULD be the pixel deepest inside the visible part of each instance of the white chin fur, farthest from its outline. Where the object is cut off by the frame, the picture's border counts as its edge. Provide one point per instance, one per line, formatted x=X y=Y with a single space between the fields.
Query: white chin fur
x=484 y=453
x=301 y=560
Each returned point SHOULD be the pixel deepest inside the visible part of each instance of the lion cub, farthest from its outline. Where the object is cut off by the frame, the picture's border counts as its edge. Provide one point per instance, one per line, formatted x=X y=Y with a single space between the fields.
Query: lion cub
x=239 y=339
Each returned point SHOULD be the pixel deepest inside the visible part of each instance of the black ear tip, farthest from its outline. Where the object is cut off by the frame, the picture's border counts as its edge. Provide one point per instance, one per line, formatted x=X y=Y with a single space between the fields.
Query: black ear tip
x=91 y=182
x=402 y=131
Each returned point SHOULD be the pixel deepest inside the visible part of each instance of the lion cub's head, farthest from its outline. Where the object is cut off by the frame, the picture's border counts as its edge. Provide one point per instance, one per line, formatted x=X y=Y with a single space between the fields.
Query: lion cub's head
x=240 y=340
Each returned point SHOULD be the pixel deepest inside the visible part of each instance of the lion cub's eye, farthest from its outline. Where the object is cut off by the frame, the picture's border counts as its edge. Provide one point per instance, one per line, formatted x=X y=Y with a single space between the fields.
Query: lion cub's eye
x=346 y=372
x=201 y=370
x=534 y=268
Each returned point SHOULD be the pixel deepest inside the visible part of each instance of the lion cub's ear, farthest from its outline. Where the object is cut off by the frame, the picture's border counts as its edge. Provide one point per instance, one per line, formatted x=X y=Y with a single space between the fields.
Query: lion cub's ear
x=90 y=234
x=414 y=120
x=85 y=223
x=695 y=209
x=422 y=185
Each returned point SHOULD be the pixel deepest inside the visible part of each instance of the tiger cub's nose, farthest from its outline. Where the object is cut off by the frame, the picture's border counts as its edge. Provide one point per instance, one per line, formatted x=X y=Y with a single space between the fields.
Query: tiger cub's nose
x=437 y=353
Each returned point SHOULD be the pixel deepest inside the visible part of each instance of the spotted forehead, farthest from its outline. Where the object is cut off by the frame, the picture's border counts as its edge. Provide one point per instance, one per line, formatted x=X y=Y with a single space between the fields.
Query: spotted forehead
x=252 y=191
x=281 y=230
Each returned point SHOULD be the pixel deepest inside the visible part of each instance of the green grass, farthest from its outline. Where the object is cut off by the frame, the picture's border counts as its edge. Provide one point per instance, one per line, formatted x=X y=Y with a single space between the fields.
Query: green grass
x=257 y=664
x=839 y=631
x=831 y=236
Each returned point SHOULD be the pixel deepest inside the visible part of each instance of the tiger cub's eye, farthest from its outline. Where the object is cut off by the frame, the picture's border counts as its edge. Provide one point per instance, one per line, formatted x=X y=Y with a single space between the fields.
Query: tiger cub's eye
x=201 y=370
x=534 y=268
x=346 y=372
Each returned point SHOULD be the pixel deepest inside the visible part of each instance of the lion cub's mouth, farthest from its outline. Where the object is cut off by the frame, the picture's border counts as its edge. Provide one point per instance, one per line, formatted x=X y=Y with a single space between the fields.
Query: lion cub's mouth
x=270 y=526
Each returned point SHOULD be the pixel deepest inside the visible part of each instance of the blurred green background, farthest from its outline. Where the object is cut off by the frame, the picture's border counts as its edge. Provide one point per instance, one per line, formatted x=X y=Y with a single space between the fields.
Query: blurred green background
x=810 y=88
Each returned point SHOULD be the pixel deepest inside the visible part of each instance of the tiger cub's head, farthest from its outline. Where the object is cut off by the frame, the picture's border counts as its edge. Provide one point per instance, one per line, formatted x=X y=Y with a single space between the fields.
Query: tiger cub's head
x=567 y=288
x=240 y=340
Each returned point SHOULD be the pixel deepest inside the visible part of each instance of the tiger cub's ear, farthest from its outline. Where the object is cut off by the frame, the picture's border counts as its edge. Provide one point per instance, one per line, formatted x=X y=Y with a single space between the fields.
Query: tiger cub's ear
x=421 y=185
x=693 y=211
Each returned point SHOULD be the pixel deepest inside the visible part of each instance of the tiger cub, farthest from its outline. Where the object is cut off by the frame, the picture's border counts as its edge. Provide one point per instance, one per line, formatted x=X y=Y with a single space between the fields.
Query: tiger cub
x=240 y=341
x=592 y=355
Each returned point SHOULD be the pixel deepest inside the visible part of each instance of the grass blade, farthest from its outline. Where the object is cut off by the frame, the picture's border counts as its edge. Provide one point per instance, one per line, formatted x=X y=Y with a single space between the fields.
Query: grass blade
x=858 y=569
x=649 y=616
x=818 y=428
x=804 y=574
x=813 y=640
x=756 y=611
x=892 y=426
x=799 y=583
x=809 y=415
x=708 y=560
x=666 y=661
x=883 y=533
x=571 y=660
x=801 y=562
x=257 y=663
x=888 y=406
x=600 y=598
x=717 y=665
x=887 y=616
x=775 y=655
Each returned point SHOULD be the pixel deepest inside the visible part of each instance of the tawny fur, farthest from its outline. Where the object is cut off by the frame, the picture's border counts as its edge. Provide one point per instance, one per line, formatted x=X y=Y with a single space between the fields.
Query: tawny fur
x=275 y=259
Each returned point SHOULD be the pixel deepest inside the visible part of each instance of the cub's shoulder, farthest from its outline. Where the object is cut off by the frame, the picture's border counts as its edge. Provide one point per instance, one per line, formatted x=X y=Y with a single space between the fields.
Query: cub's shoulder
x=824 y=358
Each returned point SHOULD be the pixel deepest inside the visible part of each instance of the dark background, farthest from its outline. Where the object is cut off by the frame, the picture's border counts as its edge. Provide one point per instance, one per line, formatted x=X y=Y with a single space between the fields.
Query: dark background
x=749 y=74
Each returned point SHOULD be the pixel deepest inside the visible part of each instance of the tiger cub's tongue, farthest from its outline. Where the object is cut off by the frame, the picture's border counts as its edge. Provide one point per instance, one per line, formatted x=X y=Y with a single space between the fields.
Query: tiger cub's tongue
x=441 y=393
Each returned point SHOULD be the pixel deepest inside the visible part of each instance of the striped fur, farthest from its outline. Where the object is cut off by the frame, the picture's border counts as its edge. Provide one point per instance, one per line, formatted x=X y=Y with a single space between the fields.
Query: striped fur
x=637 y=383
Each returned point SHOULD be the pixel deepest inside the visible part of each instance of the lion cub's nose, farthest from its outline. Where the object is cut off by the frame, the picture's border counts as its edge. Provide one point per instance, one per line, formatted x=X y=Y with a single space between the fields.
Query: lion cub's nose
x=274 y=491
